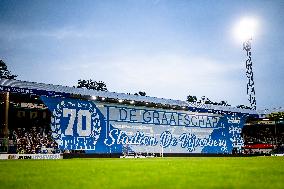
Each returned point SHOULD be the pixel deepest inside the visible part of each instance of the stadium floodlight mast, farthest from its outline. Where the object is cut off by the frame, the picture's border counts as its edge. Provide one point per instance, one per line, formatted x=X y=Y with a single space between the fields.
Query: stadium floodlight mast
x=244 y=31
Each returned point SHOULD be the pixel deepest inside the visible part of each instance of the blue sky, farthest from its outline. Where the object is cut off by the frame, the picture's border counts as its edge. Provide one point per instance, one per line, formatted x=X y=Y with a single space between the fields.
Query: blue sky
x=167 y=48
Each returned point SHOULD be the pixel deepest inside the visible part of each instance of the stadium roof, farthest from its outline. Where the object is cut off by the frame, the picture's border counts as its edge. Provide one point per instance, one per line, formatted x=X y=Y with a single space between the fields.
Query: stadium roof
x=18 y=86
x=269 y=111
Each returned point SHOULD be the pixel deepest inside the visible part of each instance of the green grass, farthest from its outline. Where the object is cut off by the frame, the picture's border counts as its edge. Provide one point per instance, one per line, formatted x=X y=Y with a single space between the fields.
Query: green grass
x=193 y=172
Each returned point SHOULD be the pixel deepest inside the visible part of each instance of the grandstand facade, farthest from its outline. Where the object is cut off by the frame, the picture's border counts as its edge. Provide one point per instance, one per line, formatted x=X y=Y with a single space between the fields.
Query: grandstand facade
x=68 y=118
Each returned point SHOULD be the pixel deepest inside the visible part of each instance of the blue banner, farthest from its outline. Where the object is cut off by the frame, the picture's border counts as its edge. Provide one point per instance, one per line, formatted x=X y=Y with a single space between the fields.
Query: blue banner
x=110 y=128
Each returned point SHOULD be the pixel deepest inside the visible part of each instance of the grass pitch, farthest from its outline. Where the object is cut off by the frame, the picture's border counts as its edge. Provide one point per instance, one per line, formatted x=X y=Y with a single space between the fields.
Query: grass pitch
x=193 y=172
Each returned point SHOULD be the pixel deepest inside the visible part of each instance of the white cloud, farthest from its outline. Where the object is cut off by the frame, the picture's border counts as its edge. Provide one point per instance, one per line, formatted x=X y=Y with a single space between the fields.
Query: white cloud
x=168 y=76
x=67 y=32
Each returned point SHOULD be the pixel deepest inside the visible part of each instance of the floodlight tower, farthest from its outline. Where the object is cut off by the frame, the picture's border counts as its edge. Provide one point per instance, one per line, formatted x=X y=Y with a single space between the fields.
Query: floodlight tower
x=249 y=74
x=244 y=31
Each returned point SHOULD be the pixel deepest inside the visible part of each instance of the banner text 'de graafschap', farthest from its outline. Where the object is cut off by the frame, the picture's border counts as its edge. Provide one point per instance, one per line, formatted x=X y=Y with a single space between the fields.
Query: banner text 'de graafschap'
x=158 y=117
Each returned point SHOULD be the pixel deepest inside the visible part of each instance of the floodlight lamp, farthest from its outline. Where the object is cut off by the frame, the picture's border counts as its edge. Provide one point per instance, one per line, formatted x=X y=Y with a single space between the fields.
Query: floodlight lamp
x=245 y=29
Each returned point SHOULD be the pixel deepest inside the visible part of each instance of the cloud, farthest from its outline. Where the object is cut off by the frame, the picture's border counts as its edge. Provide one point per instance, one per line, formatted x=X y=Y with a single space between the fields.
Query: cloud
x=162 y=75
x=168 y=69
x=67 y=32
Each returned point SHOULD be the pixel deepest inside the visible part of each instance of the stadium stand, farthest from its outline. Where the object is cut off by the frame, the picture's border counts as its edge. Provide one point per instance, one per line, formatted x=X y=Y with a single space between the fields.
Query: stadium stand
x=30 y=119
x=34 y=140
x=262 y=137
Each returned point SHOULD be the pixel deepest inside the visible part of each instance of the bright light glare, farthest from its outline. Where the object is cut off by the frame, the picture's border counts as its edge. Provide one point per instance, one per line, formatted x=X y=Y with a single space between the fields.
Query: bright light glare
x=245 y=29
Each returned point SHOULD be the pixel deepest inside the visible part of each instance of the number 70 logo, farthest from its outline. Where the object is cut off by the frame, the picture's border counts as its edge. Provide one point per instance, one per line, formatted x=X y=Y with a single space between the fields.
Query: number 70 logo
x=83 y=116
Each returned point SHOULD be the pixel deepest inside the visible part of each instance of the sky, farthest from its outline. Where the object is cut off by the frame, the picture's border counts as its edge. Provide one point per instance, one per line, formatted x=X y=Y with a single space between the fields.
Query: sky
x=167 y=48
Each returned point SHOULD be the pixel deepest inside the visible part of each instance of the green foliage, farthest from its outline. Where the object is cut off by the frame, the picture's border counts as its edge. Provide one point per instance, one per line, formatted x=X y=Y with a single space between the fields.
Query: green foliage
x=193 y=172
x=141 y=93
x=206 y=100
x=90 y=84
x=4 y=72
x=244 y=107
x=191 y=98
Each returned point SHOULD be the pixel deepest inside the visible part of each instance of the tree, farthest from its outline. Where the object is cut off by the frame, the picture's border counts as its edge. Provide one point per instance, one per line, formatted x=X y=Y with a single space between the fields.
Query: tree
x=82 y=84
x=244 y=107
x=191 y=98
x=92 y=85
x=224 y=103
x=206 y=100
x=4 y=72
x=101 y=86
x=141 y=93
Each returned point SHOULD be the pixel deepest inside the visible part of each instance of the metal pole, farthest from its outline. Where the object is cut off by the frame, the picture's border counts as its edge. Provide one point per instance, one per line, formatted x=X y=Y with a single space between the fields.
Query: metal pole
x=275 y=133
x=4 y=115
